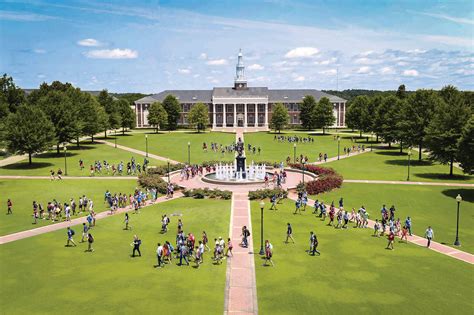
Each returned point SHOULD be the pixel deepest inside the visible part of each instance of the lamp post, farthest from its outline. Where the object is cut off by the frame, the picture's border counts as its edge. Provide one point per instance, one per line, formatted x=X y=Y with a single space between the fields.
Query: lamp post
x=146 y=145
x=262 y=205
x=371 y=140
x=338 y=146
x=409 y=158
x=116 y=138
x=303 y=162
x=168 y=160
x=65 y=159
x=294 y=153
x=457 y=242
x=189 y=153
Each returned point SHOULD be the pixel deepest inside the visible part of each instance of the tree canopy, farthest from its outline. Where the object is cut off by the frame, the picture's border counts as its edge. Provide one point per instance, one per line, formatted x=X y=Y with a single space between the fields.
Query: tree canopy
x=280 y=117
x=157 y=116
x=198 y=116
x=172 y=107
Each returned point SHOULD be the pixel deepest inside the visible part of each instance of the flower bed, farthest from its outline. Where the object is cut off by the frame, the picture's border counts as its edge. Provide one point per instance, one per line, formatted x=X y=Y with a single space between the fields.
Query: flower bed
x=328 y=179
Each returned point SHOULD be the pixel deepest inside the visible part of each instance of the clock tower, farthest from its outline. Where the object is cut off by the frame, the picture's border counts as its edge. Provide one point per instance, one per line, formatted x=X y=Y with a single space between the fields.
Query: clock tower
x=240 y=83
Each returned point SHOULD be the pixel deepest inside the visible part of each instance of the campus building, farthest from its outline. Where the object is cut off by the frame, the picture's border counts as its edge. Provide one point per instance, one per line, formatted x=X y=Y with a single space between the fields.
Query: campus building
x=240 y=105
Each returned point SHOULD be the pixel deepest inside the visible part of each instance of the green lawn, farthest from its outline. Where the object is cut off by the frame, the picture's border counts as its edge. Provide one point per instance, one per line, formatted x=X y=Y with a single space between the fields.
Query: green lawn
x=24 y=192
x=41 y=276
x=390 y=164
x=273 y=150
x=174 y=145
x=354 y=273
x=426 y=205
x=88 y=152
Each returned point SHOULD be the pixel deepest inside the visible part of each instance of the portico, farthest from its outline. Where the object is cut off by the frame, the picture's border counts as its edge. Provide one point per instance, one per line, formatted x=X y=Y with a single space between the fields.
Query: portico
x=230 y=112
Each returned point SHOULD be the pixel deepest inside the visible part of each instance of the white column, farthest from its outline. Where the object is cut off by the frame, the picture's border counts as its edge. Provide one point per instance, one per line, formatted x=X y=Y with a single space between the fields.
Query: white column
x=245 y=115
x=235 y=115
x=266 y=115
x=214 y=115
x=224 y=118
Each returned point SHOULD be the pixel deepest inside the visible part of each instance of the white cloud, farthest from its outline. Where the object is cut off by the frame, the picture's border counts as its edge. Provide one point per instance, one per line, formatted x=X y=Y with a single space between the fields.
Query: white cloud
x=387 y=70
x=255 y=66
x=329 y=72
x=41 y=76
x=196 y=75
x=39 y=51
x=363 y=70
x=410 y=73
x=366 y=53
x=448 y=40
x=217 y=62
x=203 y=56
x=112 y=54
x=23 y=17
x=89 y=42
x=367 y=61
x=299 y=78
x=302 y=52
x=450 y=18
x=402 y=63
x=326 y=62
x=184 y=71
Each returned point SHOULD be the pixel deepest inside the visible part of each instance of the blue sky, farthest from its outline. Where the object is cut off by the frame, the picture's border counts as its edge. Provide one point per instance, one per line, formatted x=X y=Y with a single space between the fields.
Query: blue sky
x=149 y=46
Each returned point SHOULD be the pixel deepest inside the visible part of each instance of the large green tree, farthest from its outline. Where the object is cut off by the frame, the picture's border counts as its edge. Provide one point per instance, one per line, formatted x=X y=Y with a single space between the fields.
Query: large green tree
x=198 y=116
x=280 y=117
x=466 y=147
x=157 y=116
x=11 y=96
x=355 y=113
x=127 y=115
x=389 y=115
x=306 y=112
x=401 y=92
x=93 y=116
x=28 y=131
x=173 y=108
x=417 y=115
x=323 y=114
x=111 y=108
x=446 y=126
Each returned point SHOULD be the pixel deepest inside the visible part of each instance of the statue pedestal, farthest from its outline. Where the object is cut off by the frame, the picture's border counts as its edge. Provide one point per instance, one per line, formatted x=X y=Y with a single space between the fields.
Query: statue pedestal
x=241 y=165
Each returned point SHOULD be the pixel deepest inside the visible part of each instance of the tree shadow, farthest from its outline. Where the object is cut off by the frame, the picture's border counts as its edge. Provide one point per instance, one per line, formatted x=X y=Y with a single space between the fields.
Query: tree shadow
x=390 y=153
x=26 y=166
x=466 y=194
x=55 y=155
x=404 y=162
x=443 y=176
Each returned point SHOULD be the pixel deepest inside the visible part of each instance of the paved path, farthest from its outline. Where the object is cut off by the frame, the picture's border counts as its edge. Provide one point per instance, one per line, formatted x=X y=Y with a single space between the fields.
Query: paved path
x=67 y=177
x=394 y=182
x=13 y=159
x=241 y=288
x=341 y=157
x=143 y=153
x=63 y=225
x=438 y=247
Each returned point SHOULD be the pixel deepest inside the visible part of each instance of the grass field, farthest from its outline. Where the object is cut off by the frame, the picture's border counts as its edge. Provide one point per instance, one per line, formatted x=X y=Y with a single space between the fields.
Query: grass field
x=88 y=152
x=273 y=150
x=39 y=275
x=426 y=205
x=174 y=145
x=354 y=273
x=24 y=192
x=390 y=164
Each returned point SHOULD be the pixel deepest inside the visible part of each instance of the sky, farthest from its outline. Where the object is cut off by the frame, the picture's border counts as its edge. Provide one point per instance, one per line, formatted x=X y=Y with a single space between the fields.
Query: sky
x=150 y=46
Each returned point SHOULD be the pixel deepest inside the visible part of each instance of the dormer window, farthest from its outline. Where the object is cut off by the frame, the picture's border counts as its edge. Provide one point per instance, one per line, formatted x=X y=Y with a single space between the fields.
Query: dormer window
x=194 y=98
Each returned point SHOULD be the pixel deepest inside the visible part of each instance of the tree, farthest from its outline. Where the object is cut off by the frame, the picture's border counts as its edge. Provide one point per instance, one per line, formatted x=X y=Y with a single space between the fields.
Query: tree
x=417 y=115
x=280 y=117
x=111 y=108
x=355 y=111
x=11 y=96
x=376 y=116
x=323 y=114
x=306 y=112
x=199 y=116
x=91 y=112
x=388 y=114
x=172 y=107
x=401 y=92
x=28 y=131
x=446 y=127
x=59 y=108
x=157 y=116
x=466 y=147
x=127 y=115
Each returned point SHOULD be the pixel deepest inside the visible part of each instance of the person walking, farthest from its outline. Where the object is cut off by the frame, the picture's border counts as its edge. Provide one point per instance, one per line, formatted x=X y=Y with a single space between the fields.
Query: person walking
x=408 y=225
x=70 y=234
x=289 y=233
x=90 y=240
x=313 y=244
x=268 y=253
x=126 y=222
x=136 y=246
x=391 y=237
x=429 y=234
x=85 y=229
x=159 y=255
x=9 y=207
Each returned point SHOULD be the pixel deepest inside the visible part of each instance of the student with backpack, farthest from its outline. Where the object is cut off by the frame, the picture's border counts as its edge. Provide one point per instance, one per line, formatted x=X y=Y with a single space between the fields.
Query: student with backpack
x=90 y=240
x=136 y=246
x=70 y=234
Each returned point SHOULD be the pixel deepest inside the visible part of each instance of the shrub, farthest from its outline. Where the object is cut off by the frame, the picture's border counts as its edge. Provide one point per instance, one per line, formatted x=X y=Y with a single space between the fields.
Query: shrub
x=153 y=181
x=267 y=193
x=315 y=169
x=163 y=169
x=210 y=193
x=328 y=179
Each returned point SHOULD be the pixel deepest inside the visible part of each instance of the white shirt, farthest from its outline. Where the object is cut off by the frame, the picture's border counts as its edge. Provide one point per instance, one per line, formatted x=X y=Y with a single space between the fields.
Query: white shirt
x=159 y=250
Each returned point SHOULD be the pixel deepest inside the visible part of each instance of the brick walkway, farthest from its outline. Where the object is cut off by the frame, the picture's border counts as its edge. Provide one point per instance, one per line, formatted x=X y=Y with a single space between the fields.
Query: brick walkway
x=440 y=248
x=63 y=225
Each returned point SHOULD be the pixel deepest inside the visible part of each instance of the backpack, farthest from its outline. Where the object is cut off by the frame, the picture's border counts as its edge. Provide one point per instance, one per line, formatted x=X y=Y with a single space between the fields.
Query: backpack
x=72 y=232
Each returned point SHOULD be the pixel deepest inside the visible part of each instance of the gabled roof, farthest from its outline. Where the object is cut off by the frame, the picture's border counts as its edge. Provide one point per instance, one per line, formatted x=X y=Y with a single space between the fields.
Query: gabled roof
x=183 y=96
x=248 y=92
x=297 y=95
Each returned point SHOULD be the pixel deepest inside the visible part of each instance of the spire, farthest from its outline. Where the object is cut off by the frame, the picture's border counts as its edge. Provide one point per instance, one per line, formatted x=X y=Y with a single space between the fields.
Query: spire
x=240 y=82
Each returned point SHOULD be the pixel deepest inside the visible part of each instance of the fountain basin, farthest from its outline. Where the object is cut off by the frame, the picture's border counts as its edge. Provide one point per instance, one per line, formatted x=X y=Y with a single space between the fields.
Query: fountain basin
x=212 y=179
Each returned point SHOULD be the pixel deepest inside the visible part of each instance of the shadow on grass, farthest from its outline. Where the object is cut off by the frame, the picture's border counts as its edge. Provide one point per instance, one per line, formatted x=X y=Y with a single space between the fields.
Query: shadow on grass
x=26 y=166
x=443 y=176
x=404 y=162
x=466 y=194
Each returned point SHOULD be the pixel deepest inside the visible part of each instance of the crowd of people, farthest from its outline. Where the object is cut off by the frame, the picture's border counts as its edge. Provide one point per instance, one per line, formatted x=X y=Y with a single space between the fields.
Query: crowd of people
x=293 y=139
x=103 y=167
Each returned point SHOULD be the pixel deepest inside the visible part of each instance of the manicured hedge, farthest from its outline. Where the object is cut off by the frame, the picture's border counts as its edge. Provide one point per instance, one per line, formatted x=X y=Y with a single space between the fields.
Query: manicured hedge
x=199 y=193
x=163 y=169
x=153 y=181
x=328 y=179
x=267 y=193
